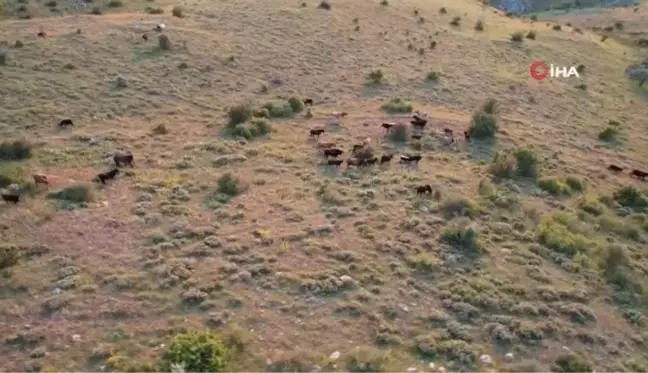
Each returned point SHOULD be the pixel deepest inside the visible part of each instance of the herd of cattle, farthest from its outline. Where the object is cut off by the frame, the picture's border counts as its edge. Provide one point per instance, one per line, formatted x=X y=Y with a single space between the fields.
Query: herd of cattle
x=119 y=159
x=362 y=154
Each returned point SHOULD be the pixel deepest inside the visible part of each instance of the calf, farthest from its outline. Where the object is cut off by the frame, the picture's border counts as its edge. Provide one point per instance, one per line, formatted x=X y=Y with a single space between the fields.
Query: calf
x=41 y=34
x=65 y=123
x=40 y=179
x=333 y=152
x=372 y=161
x=639 y=174
x=388 y=126
x=386 y=158
x=107 y=175
x=308 y=102
x=335 y=162
x=317 y=132
x=10 y=197
x=615 y=168
x=423 y=189
x=125 y=159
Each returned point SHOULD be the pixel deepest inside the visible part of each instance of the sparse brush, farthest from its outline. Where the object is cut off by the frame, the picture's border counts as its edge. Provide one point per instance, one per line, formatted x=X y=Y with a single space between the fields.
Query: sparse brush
x=618 y=25
x=151 y=10
x=456 y=21
x=443 y=10
x=526 y=163
x=4 y=58
x=609 y=134
x=239 y=114
x=491 y=106
x=197 y=352
x=160 y=129
x=534 y=18
x=96 y=11
x=384 y=2
x=556 y=27
x=479 y=26
x=9 y=256
x=580 y=68
x=75 y=194
x=531 y=35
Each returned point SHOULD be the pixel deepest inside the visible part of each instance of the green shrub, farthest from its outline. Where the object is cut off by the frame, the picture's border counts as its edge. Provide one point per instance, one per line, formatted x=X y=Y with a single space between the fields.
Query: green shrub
x=591 y=206
x=527 y=163
x=9 y=256
x=324 y=5
x=554 y=186
x=568 y=363
x=479 y=26
x=229 y=185
x=197 y=352
x=366 y=359
x=375 y=76
x=75 y=194
x=483 y=126
x=433 y=76
x=160 y=129
x=630 y=197
x=279 y=108
x=151 y=10
x=12 y=174
x=443 y=10
x=178 y=11
x=533 y=18
x=238 y=114
x=17 y=150
x=456 y=21
x=462 y=237
x=609 y=134
x=115 y=4
x=517 y=36
x=531 y=35
x=458 y=207
x=575 y=184
x=563 y=234
x=261 y=113
x=296 y=105
x=259 y=127
x=241 y=130
x=397 y=105
x=617 y=270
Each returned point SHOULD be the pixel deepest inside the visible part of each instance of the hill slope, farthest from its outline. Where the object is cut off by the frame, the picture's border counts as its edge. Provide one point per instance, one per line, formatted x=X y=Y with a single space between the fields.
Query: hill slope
x=305 y=261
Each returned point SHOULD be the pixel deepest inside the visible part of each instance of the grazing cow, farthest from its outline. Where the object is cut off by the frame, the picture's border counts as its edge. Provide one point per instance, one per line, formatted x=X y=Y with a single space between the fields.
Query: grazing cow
x=388 y=126
x=467 y=135
x=639 y=174
x=353 y=162
x=615 y=168
x=335 y=162
x=107 y=175
x=386 y=158
x=372 y=161
x=125 y=159
x=448 y=131
x=423 y=189
x=40 y=179
x=418 y=122
x=41 y=34
x=145 y=37
x=66 y=122
x=78 y=31
x=160 y=27
x=317 y=132
x=416 y=136
x=10 y=197
x=410 y=158
x=325 y=145
x=308 y=102
x=333 y=152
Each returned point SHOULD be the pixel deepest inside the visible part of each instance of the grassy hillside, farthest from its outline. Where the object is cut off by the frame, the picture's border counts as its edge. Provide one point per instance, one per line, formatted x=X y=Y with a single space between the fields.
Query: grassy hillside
x=289 y=261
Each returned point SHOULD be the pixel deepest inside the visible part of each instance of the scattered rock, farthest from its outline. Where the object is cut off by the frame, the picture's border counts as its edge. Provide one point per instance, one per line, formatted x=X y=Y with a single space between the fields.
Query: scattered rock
x=334 y=356
x=486 y=359
x=509 y=357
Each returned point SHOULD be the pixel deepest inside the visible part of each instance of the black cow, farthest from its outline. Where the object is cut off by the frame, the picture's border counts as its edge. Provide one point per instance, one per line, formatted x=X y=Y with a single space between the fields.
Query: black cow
x=125 y=159
x=639 y=174
x=615 y=168
x=10 y=197
x=308 y=102
x=335 y=162
x=386 y=158
x=66 y=122
x=388 y=126
x=107 y=175
x=317 y=132
x=423 y=189
x=333 y=152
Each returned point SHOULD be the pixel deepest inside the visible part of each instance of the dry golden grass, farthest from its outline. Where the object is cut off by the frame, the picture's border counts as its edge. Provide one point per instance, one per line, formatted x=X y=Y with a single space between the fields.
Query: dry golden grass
x=266 y=268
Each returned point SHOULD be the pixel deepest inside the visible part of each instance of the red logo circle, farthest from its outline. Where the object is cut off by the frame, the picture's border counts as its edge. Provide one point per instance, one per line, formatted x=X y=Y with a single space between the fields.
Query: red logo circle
x=539 y=70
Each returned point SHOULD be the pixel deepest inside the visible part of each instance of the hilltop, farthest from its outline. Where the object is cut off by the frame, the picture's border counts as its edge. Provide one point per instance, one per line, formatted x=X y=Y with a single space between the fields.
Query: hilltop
x=535 y=257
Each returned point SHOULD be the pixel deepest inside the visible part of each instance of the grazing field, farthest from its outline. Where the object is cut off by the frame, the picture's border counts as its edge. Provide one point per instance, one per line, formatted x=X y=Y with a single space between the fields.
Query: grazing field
x=526 y=253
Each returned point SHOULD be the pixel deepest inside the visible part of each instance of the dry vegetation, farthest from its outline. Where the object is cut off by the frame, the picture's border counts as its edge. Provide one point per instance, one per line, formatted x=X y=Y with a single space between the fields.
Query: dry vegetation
x=528 y=250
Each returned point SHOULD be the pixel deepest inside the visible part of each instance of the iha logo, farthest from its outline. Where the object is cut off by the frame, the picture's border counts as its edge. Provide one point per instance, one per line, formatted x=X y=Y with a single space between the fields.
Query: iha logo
x=540 y=70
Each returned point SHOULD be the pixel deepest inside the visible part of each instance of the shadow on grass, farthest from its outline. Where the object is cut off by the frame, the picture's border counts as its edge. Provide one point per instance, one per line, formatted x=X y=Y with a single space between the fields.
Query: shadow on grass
x=482 y=150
